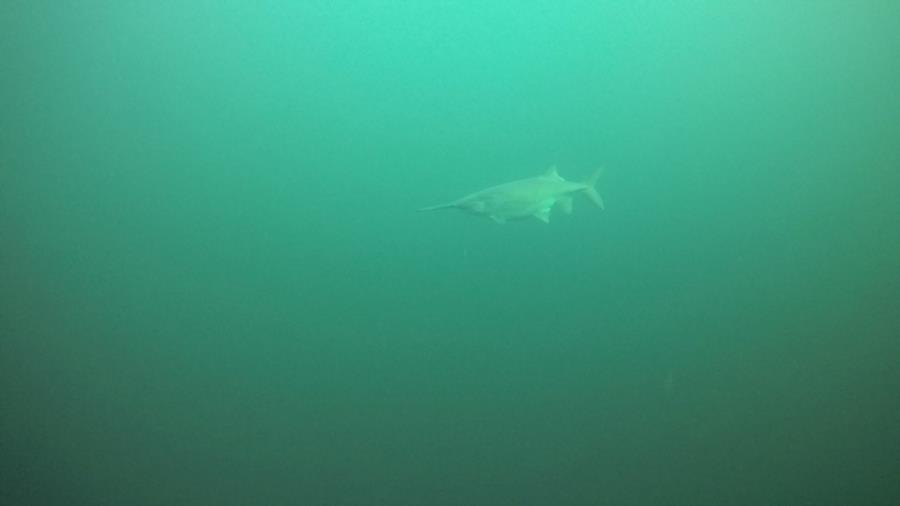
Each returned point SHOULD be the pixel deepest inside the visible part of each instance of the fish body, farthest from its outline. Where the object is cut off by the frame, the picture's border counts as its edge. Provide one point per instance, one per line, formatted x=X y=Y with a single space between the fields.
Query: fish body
x=525 y=198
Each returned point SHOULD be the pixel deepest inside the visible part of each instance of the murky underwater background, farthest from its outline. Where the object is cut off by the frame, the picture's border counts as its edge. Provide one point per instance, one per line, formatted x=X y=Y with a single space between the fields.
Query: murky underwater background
x=215 y=289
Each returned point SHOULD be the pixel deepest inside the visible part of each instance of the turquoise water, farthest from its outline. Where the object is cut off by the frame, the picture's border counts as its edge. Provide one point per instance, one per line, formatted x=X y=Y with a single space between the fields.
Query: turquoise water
x=215 y=289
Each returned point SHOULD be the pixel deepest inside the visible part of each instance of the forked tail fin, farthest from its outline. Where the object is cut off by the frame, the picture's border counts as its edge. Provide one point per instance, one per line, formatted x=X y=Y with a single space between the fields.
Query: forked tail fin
x=590 y=191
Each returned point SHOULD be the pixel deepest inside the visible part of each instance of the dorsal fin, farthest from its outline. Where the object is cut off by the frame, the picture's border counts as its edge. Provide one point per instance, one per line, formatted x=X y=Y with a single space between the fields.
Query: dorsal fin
x=551 y=172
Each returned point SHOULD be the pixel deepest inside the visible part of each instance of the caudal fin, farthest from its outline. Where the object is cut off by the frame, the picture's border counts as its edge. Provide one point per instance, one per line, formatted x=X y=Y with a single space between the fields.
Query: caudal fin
x=591 y=192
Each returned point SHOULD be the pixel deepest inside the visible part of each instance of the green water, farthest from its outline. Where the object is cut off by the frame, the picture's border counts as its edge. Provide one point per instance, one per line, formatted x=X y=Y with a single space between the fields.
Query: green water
x=215 y=289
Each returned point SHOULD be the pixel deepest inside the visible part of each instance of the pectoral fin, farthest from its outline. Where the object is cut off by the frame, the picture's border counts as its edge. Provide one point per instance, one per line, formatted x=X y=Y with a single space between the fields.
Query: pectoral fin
x=543 y=215
x=565 y=203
